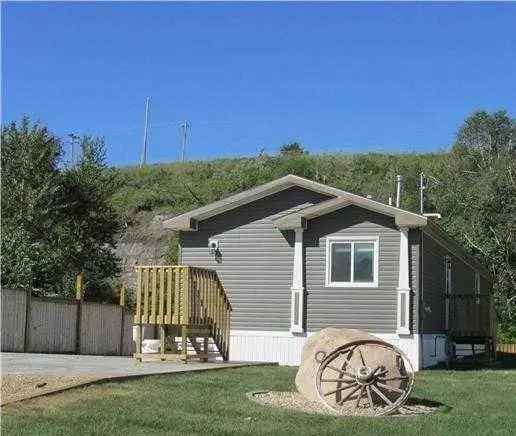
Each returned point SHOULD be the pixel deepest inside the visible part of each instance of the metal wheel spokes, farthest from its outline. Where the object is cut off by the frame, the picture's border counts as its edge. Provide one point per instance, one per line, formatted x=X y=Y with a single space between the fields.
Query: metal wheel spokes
x=366 y=377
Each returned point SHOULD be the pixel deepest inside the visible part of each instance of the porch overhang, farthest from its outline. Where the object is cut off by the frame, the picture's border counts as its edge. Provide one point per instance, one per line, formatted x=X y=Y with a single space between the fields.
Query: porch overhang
x=300 y=218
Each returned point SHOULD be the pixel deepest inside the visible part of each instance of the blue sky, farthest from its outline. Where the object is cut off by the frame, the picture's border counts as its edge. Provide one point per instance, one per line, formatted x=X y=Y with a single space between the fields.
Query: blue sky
x=351 y=77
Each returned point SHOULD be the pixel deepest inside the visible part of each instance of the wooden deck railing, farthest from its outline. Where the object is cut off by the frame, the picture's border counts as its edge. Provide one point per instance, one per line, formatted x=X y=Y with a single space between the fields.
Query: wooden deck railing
x=184 y=296
x=472 y=315
x=507 y=349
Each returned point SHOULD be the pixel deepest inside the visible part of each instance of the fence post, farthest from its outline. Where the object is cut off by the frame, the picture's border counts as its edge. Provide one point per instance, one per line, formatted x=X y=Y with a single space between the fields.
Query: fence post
x=79 y=293
x=122 y=318
x=122 y=295
x=26 y=333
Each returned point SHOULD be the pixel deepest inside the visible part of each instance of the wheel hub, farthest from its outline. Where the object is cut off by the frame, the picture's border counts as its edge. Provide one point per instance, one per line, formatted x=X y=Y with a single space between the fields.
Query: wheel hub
x=365 y=375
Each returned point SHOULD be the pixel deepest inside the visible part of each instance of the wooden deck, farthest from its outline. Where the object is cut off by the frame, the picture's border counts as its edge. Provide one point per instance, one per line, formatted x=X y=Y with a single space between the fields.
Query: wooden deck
x=472 y=322
x=186 y=302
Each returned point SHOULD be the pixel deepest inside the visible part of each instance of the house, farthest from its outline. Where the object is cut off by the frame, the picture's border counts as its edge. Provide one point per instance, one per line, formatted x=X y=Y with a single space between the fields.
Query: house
x=296 y=256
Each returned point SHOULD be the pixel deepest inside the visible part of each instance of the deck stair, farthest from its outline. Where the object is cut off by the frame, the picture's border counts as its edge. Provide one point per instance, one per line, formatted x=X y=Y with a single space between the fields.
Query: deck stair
x=190 y=309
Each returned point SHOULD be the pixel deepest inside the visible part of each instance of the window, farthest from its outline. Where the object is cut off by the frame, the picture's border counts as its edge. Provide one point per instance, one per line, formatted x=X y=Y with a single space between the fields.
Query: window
x=352 y=262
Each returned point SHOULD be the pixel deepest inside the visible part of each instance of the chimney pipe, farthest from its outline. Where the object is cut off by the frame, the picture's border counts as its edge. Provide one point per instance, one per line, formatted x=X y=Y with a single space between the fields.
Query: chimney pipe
x=399 y=187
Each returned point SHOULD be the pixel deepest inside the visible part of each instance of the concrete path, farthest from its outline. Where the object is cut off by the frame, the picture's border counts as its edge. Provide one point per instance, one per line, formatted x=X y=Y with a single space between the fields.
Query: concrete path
x=61 y=372
x=99 y=366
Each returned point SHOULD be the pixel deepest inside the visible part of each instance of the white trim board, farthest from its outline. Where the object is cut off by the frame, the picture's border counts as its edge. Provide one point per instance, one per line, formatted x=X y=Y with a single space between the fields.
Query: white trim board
x=285 y=347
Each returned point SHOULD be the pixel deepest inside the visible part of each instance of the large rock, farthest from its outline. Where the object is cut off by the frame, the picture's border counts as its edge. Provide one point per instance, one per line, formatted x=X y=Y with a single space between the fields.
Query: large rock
x=144 y=242
x=326 y=340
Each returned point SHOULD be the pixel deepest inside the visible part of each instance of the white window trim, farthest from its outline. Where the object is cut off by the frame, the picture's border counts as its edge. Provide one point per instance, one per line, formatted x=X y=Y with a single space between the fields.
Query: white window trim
x=403 y=289
x=339 y=239
x=297 y=289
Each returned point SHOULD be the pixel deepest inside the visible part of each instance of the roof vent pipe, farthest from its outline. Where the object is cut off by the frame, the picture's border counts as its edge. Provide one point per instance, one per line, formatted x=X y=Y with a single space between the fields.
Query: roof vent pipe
x=399 y=187
x=390 y=201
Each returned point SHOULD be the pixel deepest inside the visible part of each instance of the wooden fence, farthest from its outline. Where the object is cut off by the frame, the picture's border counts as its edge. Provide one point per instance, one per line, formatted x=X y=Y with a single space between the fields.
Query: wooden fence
x=58 y=325
x=506 y=349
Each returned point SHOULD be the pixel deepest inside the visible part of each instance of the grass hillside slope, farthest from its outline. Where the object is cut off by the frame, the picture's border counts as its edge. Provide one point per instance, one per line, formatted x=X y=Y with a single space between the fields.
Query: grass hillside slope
x=178 y=187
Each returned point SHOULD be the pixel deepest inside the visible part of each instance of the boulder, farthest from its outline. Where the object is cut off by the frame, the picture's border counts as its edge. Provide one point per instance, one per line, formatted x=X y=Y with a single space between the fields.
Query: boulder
x=326 y=340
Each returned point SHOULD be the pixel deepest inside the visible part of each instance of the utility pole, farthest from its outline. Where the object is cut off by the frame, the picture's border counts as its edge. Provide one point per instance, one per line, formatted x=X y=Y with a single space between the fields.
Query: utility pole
x=73 y=139
x=185 y=125
x=399 y=189
x=422 y=187
x=143 y=157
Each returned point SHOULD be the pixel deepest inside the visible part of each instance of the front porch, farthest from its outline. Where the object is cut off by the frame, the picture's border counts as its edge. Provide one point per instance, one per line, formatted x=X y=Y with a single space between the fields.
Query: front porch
x=182 y=302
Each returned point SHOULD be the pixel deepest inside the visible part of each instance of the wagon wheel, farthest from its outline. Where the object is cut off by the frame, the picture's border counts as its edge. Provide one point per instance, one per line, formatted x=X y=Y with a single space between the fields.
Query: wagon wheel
x=364 y=377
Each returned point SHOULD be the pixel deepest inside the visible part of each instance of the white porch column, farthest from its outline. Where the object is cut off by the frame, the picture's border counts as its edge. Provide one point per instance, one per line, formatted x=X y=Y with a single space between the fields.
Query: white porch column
x=297 y=289
x=403 y=315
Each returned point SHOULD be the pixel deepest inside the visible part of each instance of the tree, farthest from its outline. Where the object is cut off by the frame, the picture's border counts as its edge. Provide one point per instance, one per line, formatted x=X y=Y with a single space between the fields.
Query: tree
x=478 y=201
x=487 y=133
x=292 y=148
x=56 y=220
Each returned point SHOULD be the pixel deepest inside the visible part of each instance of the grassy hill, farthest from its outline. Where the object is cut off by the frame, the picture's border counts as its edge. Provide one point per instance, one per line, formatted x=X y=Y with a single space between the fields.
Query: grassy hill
x=178 y=187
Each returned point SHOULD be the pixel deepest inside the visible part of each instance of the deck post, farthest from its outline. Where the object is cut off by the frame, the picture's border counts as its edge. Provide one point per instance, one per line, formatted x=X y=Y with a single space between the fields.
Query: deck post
x=184 y=344
x=162 y=341
x=139 y=334
x=205 y=349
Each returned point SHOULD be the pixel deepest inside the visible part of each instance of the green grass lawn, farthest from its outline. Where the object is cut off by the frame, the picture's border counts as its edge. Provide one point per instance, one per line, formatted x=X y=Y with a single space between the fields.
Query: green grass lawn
x=479 y=402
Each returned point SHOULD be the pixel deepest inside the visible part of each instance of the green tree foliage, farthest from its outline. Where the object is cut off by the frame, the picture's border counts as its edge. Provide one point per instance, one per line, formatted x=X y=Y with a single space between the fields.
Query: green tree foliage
x=292 y=148
x=477 y=198
x=56 y=220
x=487 y=133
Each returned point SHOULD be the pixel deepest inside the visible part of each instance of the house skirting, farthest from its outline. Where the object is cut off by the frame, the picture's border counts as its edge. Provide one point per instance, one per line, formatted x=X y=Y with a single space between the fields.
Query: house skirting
x=286 y=347
x=433 y=349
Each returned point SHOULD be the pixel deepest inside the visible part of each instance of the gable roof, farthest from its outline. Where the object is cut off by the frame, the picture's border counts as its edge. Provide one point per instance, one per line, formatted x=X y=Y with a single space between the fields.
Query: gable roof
x=299 y=218
x=188 y=221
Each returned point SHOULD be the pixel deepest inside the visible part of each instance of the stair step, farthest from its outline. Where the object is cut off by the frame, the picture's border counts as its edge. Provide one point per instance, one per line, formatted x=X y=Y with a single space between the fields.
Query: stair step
x=152 y=357
x=198 y=332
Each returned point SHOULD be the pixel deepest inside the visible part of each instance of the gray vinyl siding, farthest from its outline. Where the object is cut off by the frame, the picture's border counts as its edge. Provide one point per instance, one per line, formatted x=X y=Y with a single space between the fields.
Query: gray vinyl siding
x=463 y=277
x=485 y=285
x=257 y=259
x=370 y=309
x=432 y=296
x=433 y=274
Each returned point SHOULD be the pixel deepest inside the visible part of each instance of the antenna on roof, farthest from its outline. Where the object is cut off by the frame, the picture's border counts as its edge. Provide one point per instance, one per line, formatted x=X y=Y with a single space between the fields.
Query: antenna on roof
x=399 y=187
x=422 y=186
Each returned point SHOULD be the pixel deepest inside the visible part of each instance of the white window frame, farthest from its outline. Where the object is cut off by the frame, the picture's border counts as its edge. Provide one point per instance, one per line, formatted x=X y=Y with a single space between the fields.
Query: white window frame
x=351 y=239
